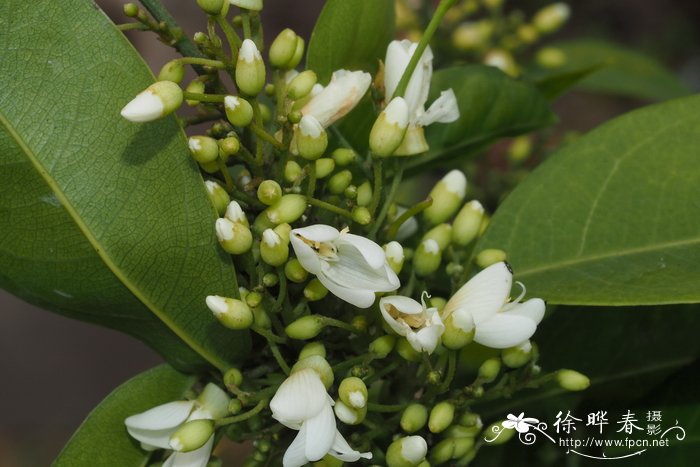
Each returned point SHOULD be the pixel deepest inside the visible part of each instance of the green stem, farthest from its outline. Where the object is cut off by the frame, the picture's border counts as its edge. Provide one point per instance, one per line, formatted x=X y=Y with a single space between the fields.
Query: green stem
x=385 y=408
x=202 y=61
x=282 y=294
x=378 y=181
x=424 y=41
x=379 y=220
x=195 y=96
x=132 y=27
x=451 y=368
x=264 y=135
x=311 y=187
x=227 y=176
x=336 y=323
x=329 y=207
x=412 y=211
x=268 y=335
x=234 y=42
x=183 y=45
x=278 y=356
x=244 y=416
x=246 y=25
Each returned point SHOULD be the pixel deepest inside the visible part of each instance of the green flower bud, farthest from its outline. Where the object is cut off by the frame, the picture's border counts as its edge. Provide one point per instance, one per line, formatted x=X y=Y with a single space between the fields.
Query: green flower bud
x=441 y=417
x=214 y=400
x=339 y=182
x=572 y=380
x=353 y=392
x=488 y=371
x=467 y=223
x=265 y=113
x=406 y=351
x=408 y=451
x=131 y=10
x=442 y=451
x=209 y=167
x=173 y=71
x=414 y=418
x=324 y=167
x=349 y=415
x=301 y=85
x=261 y=318
x=427 y=258
x=364 y=194
x=447 y=195
x=486 y=258
x=361 y=215
x=319 y=365
x=231 y=312
x=329 y=461
x=312 y=348
x=442 y=234
x=389 y=129
x=270 y=279
x=550 y=57
x=203 y=148
x=515 y=357
x=359 y=322
x=228 y=147
x=233 y=378
x=234 y=237
x=254 y=5
x=551 y=18
x=315 y=291
x=235 y=406
x=520 y=148
x=283 y=48
x=274 y=250
x=527 y=33
x=192 y=435
x=287 y=209
x=211 y=7
x=503 y=60
x=218 y=196
x=250 y=69
x=504 y=437
x=253 y=299
x=459 y=431
x=235 y=214
x=298 y=54
x=294 y=271
x=382 y=346
x=195 y=86
x=344 y=156
x=463 y=446
x=310 y=138
x=350 y=192
x=292 y=171
x=157 y=101
x=238 y=111
x=306 y=327
x=394 y=255
x=269 y=192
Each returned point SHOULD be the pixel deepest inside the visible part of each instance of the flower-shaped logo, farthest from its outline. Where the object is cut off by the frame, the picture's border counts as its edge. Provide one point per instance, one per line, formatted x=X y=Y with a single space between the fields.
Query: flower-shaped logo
x=520 y=423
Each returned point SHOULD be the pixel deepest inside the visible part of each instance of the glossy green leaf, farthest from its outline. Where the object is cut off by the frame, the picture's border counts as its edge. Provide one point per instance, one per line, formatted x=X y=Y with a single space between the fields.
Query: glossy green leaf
x=350 y=34
x=491 y=105
x=611 y=218
x=141 y=218
x=102 y=439
x=555 y=84
x=624 y=72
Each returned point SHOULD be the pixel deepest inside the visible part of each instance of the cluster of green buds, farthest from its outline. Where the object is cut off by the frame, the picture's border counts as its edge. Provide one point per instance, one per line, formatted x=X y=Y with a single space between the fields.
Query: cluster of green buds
x=328 y=261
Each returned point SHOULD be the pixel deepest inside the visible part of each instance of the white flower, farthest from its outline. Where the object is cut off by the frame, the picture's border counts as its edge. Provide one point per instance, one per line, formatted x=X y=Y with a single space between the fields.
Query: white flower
x=351 y=267
x=338 y=98
x=153 y=428
x=421 y=326
x=520 y=423
x=481 y=304
x=444 y=109
x=302 y=403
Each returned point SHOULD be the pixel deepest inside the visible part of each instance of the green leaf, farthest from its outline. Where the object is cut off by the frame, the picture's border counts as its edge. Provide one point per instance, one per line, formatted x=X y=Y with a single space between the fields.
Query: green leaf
x=102 y=439
x=555 y=84
x=611 y=218
x=624 y=72
x=141 y=218
x=491 y=104
x=350 y=34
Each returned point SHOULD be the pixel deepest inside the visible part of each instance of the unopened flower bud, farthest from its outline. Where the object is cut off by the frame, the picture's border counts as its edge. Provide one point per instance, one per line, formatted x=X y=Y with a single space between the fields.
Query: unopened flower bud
x=486 y=258
x=265 y=112
x=339 y=182
x=414 y=418
x=156 y=101
x=494 y=439
x=238 y=111
x=254 y=5
x=269 y=192
x=389 y=129
x=173 y=71
x=253 y=299
x=408 y=451
x=527 y=33
x=287 y=209
x=231 y=312
x=364 y=194
x=467 y=223
x=361 y=215
x=353 y=392
x=306 y=327
x=301 y=85
x=192 y=435
x=211 y=7
x=441 y=417
x=195 y=86
x=441 y=233
x=214 y=400
x=228 y=147
x=382 y=346
x=427 y=258
x=503 y=60
x=292 y=171
x=406 y=351
x=261 y=318
x=235 y=406
x=294 y=271
x=273 y=249
x=250 y=69
x=344 y=156
x=203 y=148
x=349 y=415
x=131 y=10
x=394 y=255
x=312 y=348
x=488 y=371
x=270 y=279
x=233 y=378
x=235 y=214
x=551 y=18
x=310 y=139
x=324 y=166
x=234 y=237
x=447 y=195
x=471 y=35
x=550 y=57
x=218 y=196
x=315 y=290
x=572 y=380
x=442 y=451
x=350 y=192
x=298 y=54
x=515 y=357
x=319 y=365
x=454 y=337
x=283 y=48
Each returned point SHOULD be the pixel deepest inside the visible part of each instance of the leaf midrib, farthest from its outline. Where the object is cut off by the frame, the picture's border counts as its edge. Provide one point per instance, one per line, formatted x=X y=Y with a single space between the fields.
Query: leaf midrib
x=100 y=250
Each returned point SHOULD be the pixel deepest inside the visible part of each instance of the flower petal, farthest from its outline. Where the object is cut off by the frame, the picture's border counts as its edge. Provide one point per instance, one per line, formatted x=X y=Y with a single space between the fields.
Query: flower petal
x=338 y=98
x=427 y=338
x=396 y=61
x=353 y=271
x=370 y=251
x=168 y=415
x=320 y=433
x=318 y=233
x=306 y=255
x=295 y=455
x=405 y=305
x=533 y=309
x=197 y=458
x=443 y=110
x=484 y=294
x=300 y=397
x=398 y=54
x=504 y=330
x=343 y=451
x=361 y=298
